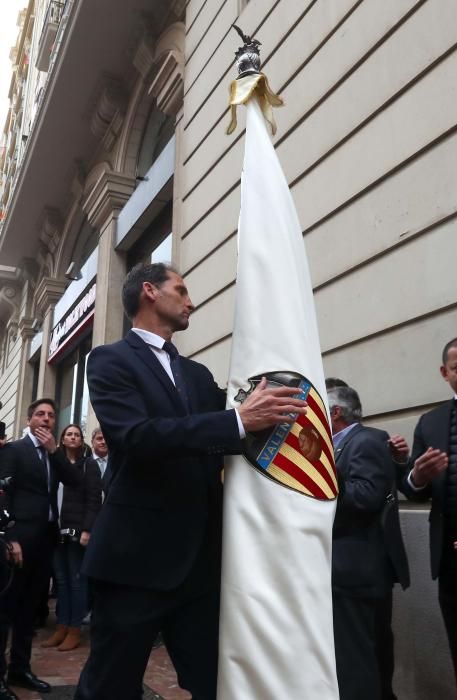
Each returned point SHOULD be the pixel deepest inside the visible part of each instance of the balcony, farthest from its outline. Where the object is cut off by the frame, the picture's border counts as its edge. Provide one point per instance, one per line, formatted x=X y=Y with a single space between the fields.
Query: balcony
x=48 y=34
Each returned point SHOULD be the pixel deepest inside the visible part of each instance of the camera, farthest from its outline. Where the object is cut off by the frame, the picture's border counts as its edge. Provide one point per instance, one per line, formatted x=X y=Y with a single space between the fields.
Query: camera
x=6 y=520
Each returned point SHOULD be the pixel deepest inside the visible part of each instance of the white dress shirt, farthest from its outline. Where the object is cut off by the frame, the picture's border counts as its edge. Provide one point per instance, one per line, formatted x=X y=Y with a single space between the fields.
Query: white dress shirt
x=156 y=342
x=102 y=462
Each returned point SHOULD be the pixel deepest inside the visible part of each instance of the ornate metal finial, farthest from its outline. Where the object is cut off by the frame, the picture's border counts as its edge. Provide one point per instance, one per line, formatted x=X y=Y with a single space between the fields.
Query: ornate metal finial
x=248 y=55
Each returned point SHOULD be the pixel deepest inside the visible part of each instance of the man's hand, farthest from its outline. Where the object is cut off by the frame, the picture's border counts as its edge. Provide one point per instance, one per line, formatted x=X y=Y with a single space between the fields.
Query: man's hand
x=46 y=438
x=428 y=466
x=84 y=539
x=267 y=406
x=15 y=553
x=398 y=449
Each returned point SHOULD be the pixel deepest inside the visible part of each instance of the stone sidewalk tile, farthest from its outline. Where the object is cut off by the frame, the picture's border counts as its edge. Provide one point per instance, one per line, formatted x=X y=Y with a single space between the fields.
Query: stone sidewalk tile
x=63 y=668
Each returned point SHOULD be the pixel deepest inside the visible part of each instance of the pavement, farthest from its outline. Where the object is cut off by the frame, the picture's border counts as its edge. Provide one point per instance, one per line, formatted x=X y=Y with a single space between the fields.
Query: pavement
x=63 y=668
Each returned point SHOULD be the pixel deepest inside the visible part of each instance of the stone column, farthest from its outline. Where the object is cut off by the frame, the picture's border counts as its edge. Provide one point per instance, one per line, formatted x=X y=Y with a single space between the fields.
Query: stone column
x=111 y=191
x=48 y=293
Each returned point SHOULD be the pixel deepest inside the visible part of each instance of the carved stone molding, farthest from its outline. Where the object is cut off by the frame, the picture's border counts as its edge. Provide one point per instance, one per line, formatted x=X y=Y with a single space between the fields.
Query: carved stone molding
x=50 y=228
x=10 y=299
x=11 y=329
x=167 y=85
x=109 y=194
x=109 y=112
x=26 y=328
x=177 y=7
x=9 y=275
x=48 y=293
x=143 y=59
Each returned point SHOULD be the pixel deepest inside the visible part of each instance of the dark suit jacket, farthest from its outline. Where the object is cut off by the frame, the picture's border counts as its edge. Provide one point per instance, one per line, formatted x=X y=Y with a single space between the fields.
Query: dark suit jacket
x=29 y=498
x=432 y=430
x=164 y=496
x=368 y=552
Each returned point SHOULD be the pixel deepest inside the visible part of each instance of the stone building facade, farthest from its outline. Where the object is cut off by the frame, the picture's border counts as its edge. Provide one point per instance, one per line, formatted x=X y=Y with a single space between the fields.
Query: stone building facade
x=126 y=159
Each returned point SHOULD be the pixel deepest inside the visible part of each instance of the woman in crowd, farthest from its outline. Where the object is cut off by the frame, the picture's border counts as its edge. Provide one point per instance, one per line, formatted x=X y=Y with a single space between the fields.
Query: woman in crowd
x=78 y=509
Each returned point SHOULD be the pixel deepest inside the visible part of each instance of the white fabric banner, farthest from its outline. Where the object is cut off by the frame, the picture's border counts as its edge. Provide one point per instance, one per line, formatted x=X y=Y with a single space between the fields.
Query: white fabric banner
x=276 y=635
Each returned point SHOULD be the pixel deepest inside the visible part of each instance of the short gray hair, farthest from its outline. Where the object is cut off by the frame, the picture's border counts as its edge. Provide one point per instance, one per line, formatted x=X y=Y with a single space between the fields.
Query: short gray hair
x=95 y=431
x=348 y=400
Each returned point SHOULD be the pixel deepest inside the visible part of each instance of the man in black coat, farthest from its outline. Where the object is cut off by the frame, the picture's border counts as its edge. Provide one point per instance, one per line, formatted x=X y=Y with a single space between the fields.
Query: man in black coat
x=36 y=470
x=368 y=551
x=434 y=475
x=154 y=554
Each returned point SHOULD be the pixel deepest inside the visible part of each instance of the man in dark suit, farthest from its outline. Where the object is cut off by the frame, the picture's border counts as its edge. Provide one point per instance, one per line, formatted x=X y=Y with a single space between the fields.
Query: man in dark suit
x=368 y=551
x=100 y=454
x=154 y=554
x=393 y=541
x=434 y=475
x=36 y=469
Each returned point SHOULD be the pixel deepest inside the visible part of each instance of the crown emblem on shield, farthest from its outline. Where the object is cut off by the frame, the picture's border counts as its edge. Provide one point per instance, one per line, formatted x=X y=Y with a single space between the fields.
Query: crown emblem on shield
x=298 y=456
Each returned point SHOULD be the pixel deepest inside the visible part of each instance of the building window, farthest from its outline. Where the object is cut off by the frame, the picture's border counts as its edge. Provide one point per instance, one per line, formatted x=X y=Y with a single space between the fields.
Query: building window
x=155 y=243
x=163 y=251
x=158 y=132
x=72 y=391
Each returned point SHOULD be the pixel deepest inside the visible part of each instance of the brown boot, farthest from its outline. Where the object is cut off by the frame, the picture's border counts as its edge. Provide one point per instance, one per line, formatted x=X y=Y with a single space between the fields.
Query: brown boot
x=72 y=640
x=57 y=638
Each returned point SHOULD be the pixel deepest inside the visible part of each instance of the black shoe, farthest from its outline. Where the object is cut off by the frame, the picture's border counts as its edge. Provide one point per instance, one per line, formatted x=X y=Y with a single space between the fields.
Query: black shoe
x=27 y=679
x=6 y=693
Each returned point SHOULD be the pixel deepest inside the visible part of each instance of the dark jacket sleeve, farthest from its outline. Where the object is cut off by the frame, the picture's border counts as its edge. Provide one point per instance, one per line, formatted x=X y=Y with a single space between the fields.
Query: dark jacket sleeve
x=119 y=403
x=92 y=494
x=419 y=447
x=368 y=479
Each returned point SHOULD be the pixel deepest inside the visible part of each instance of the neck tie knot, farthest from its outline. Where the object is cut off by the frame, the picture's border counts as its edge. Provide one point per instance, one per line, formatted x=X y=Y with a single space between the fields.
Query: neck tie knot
x=170 y=349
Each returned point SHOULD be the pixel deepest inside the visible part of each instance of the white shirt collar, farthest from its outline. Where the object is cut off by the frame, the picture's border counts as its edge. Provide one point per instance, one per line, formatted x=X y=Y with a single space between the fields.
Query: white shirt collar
x=150 y=338
x=33 y=438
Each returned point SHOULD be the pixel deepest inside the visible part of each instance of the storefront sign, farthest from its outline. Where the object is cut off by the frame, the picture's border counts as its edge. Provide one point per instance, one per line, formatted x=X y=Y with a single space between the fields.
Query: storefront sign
x=72 y=323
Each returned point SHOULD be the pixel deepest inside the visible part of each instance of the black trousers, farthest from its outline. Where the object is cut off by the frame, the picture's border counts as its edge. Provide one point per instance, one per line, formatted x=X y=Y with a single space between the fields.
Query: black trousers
x=385 y=645
x=124 y=625
x=354 y=624
x=19 y=605
x=447 y=592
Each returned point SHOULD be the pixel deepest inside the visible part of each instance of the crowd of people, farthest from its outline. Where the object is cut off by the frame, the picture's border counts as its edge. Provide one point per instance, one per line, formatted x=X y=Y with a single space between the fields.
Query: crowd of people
x=55 y=494
x=152 y=550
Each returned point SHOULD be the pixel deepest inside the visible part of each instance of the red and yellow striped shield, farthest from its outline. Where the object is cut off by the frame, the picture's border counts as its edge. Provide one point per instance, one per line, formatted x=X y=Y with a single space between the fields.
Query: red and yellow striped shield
x=298 y=455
